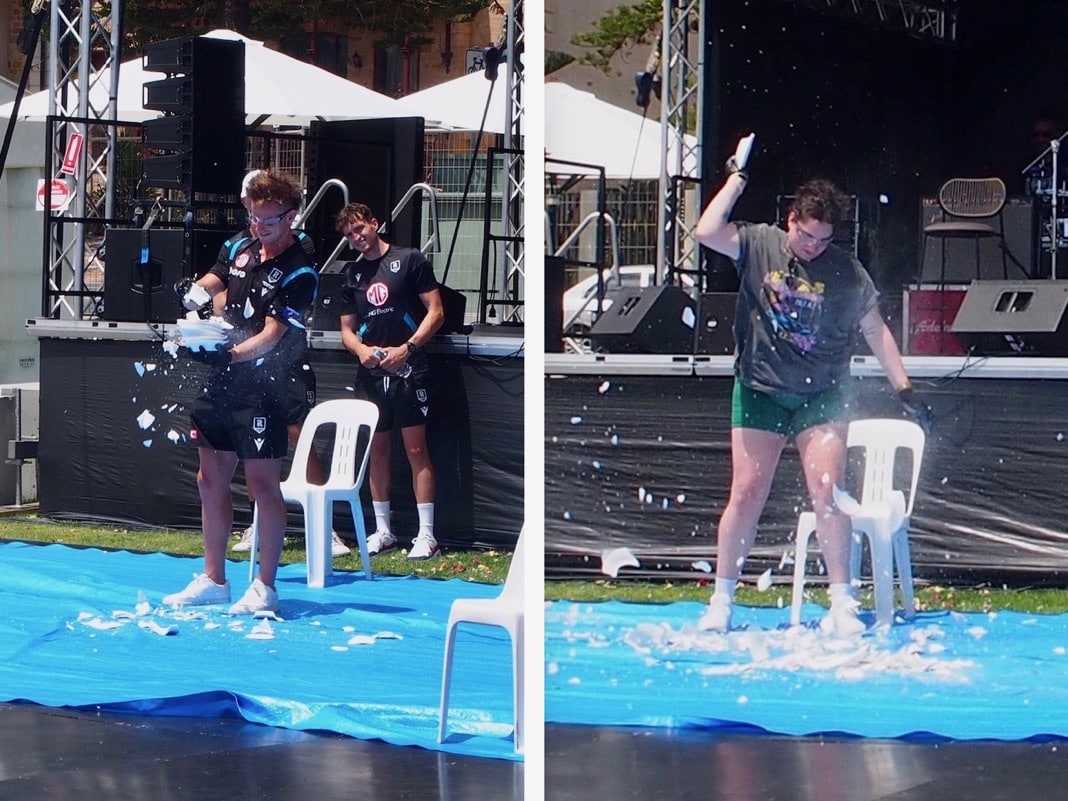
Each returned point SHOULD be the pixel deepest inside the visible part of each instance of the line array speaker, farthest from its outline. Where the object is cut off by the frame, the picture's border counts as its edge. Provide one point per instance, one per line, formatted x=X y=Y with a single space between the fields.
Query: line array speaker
x=200 y=138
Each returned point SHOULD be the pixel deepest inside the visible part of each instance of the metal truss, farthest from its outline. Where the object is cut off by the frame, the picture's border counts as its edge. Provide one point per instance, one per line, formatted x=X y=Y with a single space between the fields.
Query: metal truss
x=924 y=19
x=82 y=107
x=511 y=287
x=681 y=92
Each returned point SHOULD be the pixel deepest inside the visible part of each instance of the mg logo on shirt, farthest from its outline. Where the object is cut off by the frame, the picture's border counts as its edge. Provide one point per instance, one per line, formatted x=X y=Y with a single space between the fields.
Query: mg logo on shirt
x=377 y=294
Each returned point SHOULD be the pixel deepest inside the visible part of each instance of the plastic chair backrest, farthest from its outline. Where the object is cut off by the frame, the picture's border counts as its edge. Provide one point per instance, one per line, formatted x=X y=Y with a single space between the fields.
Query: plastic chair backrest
x=349 y=416
x=881 y=439
x=513 y=582
x=972 y=197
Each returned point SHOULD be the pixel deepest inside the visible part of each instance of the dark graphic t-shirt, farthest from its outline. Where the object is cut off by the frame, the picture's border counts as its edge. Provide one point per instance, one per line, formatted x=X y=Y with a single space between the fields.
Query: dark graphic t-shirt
x=384 y=295
x=796 y=321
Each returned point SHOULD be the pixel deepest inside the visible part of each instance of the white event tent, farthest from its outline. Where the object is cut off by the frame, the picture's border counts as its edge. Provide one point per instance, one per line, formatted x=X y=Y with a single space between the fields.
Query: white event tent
x=279 y=90
x=579 y=127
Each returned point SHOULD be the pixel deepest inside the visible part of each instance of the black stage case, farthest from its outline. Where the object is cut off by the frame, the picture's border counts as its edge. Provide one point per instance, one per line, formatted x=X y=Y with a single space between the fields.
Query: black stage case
x=96 y=461
x=644 y=462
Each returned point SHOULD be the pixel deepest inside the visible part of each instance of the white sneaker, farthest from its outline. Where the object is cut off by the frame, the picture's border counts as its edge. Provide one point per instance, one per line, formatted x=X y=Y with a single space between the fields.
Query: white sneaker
x=424 y=546
x=200 y=592
x=842 y=620
x=380 y=541
x=718 y=615
x=257 y=598
x=337 y=547
x=245 y=543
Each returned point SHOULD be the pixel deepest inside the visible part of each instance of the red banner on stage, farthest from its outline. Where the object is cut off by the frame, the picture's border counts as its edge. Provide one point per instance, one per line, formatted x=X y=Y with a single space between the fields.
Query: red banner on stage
x=929 y=315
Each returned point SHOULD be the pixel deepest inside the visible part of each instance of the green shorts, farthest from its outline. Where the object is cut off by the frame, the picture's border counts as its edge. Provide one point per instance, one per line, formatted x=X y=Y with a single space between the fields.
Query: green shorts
x=785 y=414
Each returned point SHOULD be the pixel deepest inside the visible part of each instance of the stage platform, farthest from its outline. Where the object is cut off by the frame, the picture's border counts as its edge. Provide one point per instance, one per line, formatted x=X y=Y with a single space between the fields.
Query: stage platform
x=61 y=753
x=637 y=454
x=587 y=762
x=114 y=428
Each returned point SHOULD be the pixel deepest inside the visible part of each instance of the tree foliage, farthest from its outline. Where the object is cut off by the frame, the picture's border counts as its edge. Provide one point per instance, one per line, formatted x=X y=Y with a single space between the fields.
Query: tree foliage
x=390 y=20
x=619 y=29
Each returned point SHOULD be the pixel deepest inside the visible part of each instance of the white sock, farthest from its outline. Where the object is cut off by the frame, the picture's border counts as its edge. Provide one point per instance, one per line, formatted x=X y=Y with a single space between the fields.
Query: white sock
x=725 y=588
x=842 y=593
x=382 y=515
x=426 y=518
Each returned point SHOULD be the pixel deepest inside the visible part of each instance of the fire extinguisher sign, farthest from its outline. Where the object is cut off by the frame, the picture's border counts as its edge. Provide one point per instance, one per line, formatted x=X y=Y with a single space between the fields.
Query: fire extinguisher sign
x=72 y=154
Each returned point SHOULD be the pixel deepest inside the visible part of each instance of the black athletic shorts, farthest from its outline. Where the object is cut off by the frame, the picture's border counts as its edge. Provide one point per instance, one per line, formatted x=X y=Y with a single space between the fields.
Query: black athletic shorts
x=300 y=388
x=401 y=402
x=247 y=417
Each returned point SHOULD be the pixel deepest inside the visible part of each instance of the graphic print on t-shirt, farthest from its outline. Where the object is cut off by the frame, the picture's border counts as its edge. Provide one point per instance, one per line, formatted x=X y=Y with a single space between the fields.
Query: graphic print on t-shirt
x=377 y=293
x=794 y=305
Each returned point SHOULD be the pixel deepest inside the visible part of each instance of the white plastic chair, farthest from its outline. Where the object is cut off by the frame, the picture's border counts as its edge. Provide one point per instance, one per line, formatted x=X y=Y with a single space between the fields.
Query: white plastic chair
x=506 y=611
x=883 y=516
x=348 y=465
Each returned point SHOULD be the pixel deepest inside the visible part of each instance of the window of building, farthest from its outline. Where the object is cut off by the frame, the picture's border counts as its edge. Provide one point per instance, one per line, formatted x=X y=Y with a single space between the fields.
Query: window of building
x=330 y=51
x=390 y=67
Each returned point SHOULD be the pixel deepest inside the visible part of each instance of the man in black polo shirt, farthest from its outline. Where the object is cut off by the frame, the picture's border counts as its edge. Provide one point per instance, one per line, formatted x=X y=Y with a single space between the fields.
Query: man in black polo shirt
x=241 y=412
x=390 y=308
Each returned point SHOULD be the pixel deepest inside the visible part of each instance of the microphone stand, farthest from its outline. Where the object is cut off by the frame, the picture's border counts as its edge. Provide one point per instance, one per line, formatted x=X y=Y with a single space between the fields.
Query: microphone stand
x=1054 y=147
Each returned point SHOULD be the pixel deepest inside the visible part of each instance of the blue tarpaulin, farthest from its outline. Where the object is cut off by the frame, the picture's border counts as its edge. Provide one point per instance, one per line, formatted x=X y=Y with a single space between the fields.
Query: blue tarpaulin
x=85 y=628
x=1000 y=675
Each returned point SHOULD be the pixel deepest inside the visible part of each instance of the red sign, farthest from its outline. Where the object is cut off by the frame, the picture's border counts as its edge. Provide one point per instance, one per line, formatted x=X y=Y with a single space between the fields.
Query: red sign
x=930 y=314
x=55 y=194
x=72 y=154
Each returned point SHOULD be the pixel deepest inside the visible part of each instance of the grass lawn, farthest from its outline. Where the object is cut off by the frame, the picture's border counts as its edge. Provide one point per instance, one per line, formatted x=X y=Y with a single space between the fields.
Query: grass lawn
x=491 y=567
x=485 y=567
x=930 y=597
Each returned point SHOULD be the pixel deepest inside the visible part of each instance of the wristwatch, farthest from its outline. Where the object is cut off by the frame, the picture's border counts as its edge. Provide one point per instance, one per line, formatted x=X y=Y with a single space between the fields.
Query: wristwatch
x=412 y=347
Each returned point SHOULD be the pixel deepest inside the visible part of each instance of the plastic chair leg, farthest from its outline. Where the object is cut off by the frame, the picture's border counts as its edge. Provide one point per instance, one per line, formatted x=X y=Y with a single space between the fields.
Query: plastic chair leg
x=361 y=537
x=882 y=572
x=446 y=680
x=517 y=683
x=806 y=525
x=318 y=519
x=903 y=562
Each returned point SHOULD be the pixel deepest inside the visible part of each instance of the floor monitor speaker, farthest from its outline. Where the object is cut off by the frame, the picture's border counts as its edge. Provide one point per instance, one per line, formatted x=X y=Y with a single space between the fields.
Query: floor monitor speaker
x=1014 y=317
x=656 y=319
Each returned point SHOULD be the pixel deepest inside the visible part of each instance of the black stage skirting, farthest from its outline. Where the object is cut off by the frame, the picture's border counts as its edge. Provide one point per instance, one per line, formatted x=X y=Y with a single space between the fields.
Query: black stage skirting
x=643 y=461
x=97 y=462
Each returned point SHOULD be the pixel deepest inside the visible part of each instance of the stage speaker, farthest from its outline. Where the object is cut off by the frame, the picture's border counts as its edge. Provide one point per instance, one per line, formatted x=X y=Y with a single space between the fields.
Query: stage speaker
x=200 y=139
x=554 y=304
x=960 y=253
x=1014 y=317
x=378 y=161
x=715 y=323
x=325 y=316
x=141 y=268
x=656 y=319
x=454 y=305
